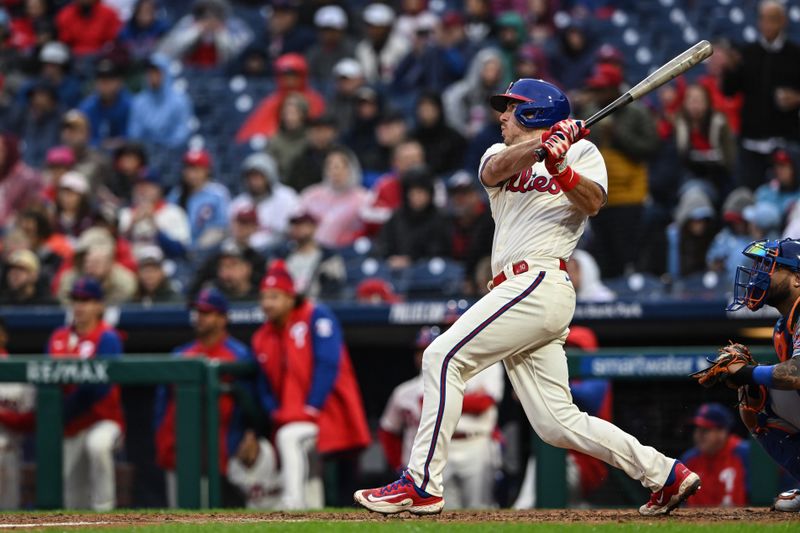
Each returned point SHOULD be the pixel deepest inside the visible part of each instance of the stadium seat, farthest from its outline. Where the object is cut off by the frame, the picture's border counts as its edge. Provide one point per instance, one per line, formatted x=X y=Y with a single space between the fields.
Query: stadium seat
x=435 y=277
x=638 y=286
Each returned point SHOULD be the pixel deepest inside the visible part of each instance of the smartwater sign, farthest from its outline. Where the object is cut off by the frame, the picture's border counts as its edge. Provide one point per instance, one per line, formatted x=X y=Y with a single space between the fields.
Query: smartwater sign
x=56 y=372
x=641 y=366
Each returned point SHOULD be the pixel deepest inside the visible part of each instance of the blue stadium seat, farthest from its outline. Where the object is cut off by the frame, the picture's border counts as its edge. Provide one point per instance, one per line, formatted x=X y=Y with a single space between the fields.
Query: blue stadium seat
x=637 y=286
x=434 y=277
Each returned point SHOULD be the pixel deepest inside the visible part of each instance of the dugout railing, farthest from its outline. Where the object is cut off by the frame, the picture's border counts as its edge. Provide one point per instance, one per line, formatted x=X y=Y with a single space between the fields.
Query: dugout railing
x=198 y=384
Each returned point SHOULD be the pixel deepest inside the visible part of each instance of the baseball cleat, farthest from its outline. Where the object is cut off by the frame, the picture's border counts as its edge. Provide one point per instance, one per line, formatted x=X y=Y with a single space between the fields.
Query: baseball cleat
x=397 y=497
x=788 y=502
x=663 y=501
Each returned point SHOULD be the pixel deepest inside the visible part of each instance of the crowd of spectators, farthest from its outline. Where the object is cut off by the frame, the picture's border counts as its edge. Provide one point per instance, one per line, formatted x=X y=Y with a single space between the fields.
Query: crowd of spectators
x=365 y=145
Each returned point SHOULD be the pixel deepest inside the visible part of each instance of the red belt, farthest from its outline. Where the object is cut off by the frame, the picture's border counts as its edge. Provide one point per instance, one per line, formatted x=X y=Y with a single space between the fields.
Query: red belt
x=520 y=267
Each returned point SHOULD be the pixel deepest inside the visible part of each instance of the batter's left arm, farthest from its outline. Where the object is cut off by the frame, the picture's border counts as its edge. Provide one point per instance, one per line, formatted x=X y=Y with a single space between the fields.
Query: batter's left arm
x=587 y=196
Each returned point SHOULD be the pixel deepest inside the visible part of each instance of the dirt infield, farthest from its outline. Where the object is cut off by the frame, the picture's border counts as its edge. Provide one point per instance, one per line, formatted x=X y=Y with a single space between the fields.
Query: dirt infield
x=67 y=519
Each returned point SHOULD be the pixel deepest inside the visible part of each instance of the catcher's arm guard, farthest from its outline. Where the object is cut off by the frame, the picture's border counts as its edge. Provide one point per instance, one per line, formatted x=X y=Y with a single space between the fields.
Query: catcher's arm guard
x=727 y=356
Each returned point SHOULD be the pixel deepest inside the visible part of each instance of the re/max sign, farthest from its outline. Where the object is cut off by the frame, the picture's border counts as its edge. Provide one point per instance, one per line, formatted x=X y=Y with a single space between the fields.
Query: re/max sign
x=67 y=372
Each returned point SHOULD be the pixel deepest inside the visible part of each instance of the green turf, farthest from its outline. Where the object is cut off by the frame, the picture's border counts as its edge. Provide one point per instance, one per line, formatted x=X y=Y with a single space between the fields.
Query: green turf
x=420 y=525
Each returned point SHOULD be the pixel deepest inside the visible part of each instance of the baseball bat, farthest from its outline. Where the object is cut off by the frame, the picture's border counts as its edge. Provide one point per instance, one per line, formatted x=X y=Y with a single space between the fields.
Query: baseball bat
x=674 y=67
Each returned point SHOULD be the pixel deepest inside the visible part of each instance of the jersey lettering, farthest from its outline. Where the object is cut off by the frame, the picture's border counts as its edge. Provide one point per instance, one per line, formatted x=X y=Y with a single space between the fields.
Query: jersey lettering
x=527 y=181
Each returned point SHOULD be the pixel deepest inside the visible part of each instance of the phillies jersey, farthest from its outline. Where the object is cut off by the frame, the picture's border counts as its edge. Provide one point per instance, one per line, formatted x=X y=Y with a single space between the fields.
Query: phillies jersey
x=403 y=411
x=533 y=218
x=227 y=350
x=724 y=474
x=85 y=405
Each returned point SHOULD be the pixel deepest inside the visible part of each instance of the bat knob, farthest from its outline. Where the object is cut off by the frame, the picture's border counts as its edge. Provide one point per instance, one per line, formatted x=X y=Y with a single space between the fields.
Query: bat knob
x=541 y=154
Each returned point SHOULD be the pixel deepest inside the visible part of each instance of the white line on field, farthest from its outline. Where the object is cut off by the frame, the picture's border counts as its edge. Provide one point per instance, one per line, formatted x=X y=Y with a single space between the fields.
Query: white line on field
x=53 y=524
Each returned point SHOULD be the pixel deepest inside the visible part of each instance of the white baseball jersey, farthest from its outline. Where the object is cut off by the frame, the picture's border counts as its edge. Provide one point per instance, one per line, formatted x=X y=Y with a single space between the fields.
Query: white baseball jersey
x=17 y=397
x=404 y=409
x=533 y=218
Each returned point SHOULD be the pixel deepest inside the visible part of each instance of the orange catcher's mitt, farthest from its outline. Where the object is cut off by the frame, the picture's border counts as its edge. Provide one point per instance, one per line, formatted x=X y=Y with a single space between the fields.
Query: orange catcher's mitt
x=733 y=355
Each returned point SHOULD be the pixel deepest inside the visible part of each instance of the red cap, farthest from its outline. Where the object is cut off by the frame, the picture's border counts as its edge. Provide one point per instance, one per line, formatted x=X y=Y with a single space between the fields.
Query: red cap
x=277 y=277
x=197 y=158
x=452 y=18
x=781 y=157
x=246 y=215
x=605 y=75
x=376 y=290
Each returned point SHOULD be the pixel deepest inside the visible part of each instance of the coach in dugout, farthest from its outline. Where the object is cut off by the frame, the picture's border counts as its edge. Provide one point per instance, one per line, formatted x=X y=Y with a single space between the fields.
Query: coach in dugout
x=212 y=341
x=308 y=387
x=93 y=419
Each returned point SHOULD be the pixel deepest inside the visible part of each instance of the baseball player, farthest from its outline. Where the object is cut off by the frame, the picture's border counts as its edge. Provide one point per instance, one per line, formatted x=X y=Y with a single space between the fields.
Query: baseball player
x=474 y=455
x=17 y=402
x=93 y=419
x=212 y=342
x=540 y=209
x=770 y=405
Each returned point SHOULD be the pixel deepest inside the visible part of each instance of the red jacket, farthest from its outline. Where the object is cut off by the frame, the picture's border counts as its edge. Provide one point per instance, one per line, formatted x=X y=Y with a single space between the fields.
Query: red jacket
x=307 y=370
x=87 y=34
x=230 y=430
x=724 y=474
x=85 y=405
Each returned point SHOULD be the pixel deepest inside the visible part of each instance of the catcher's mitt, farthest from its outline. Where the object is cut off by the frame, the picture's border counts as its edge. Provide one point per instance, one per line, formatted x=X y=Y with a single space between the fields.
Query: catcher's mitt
x=720 y=365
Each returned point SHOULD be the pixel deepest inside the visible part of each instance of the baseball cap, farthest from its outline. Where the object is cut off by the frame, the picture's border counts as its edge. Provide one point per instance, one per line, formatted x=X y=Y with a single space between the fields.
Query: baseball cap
x=73 y=118
x=713 y=415
x=86 y=288
x=291 y=63
x=302 y=215
x=149 y=175
x=379 y=15
x=609 y=54
x=325 y=119
x=54 y=52
x=781 y=157
x=74 y=181
x=210 y=300
x=24 y=259
x=348 y=68
x=60 y=156
x=149 y=254
x=461 y=180
x=229 y=248
x=376 y=290
x=277 y=277
x=426 y=22
x=605 y=75
x=366 y=94
x=95 y=237
x=246 y=215
x=197 y=158
x=106 y=68
x=452 y=18
x=331 y=17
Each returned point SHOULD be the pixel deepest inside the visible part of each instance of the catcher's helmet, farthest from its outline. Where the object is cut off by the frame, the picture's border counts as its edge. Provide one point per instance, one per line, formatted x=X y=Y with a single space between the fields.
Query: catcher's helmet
x=426 y=335
x=752 y=283
x=541 y=104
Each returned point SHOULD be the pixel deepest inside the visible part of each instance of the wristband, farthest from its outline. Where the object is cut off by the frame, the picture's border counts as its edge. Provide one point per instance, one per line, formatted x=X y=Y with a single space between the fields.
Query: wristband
x=568 y=179
x=752 y=375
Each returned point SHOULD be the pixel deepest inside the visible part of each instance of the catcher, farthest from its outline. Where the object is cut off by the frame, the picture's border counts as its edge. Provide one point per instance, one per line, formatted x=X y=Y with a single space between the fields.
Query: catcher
x=769 y=394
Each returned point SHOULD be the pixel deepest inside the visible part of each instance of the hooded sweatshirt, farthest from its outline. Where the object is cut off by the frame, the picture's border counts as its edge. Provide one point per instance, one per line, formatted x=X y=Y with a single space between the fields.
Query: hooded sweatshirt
x=161 y=115
x=272 y=209
x=444 y=146
x=264 y=119
x=466 y=102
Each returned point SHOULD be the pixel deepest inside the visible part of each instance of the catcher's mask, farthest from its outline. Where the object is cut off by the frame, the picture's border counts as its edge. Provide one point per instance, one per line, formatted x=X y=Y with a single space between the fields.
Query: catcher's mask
x=752 y=283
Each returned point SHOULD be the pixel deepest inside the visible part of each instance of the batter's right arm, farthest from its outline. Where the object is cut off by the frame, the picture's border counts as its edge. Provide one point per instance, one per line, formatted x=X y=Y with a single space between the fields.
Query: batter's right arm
x=510 y=161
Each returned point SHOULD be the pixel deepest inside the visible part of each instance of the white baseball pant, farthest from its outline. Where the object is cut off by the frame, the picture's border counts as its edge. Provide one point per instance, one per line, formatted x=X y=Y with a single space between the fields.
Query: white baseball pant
x=89 y=481
x=469 y=473
x=524 y=323
x=302 y=487
x=10 y=460
x=260 y=483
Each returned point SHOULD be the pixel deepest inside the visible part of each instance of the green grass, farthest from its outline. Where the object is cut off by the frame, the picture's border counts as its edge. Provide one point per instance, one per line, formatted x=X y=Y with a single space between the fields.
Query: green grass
x=422 y=526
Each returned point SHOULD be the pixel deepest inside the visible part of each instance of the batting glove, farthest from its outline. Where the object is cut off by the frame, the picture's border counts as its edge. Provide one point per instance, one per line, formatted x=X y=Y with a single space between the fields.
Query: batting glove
x=556 y=146
x=573 y=130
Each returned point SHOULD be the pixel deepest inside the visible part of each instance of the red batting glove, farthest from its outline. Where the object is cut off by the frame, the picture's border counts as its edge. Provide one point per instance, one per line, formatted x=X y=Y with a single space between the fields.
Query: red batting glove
x=556 y=146
x=573 y=130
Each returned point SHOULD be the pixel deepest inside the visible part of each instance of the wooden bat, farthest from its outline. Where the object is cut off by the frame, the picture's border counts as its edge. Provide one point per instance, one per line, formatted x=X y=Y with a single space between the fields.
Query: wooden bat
x=675 y=67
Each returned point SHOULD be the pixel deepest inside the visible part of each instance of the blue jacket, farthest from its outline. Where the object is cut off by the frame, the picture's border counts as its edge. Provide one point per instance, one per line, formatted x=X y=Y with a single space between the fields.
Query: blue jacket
x=107 y=121
x=162 y=115
x=207 y=210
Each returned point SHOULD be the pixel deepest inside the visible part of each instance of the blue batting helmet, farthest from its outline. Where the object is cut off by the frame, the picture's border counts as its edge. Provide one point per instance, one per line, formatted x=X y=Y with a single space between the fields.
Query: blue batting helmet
x=541 y=104
x=425 y=336
x=752 y=283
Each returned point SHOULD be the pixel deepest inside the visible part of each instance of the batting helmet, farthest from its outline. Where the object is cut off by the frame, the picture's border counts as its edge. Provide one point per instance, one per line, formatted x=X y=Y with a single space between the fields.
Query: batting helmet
x=540 y=104
x=426 y=335
x=752 y=283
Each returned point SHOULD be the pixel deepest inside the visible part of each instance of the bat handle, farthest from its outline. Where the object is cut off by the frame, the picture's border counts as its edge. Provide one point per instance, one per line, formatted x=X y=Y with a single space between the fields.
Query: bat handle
x=541 y=153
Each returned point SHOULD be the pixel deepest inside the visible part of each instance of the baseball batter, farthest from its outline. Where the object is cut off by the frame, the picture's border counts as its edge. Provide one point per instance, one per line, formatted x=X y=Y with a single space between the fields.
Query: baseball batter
x=540 y=209
x=474 y=455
